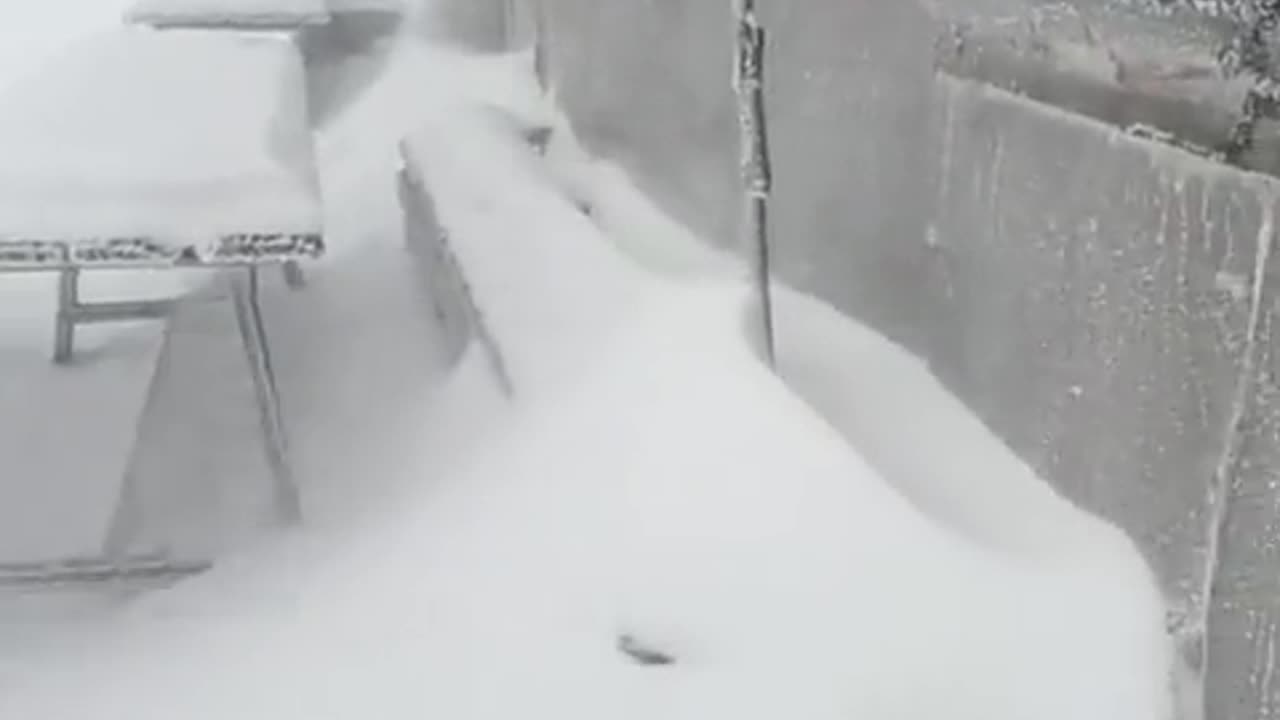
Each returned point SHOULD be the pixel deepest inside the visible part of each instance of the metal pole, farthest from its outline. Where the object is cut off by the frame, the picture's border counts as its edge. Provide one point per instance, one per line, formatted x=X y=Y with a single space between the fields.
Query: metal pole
x=65 y=324
x=253 y=335
x=757 y=174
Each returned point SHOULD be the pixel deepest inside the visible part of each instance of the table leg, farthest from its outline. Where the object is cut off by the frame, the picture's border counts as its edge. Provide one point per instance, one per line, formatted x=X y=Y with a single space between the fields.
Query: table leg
x=293 y=275
x=65 y=324
x=253 y=335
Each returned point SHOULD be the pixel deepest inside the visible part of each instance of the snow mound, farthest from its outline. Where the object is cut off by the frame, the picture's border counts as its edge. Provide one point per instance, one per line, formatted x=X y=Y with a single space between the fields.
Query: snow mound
x=914 y=432
x=678 y=493
x=164 y=135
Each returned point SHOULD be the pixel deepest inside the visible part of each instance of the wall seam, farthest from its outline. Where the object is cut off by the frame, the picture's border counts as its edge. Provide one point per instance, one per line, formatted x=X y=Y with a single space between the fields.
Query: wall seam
x=1226 y=470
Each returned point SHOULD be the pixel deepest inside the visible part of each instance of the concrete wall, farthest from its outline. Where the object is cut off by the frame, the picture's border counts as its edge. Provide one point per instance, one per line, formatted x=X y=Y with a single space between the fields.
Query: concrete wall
x=851 y=140
x=1103 y=303
x=1098 y=309
x=476 y=24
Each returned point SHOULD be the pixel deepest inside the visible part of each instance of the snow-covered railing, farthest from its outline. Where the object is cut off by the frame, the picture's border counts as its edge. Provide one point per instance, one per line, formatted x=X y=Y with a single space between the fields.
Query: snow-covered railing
x=164 y=151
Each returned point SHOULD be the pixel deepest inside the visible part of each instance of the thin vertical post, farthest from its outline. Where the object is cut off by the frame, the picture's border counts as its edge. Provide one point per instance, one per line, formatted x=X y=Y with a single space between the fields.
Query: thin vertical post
x=253 y=336
x=510 y=23
x=65 y=324
x=754 y=163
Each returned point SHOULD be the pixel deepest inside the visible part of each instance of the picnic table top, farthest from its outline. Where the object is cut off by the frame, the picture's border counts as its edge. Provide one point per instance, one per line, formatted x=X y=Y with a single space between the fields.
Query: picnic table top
x=139 y=147
x=273 y=14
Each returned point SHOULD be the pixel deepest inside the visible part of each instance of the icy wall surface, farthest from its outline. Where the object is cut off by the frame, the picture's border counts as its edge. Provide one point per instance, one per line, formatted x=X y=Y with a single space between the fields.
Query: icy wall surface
x=1105 y=307
x=1104 y=303
x=618 y=91
x=480 y=25
x=850 y=151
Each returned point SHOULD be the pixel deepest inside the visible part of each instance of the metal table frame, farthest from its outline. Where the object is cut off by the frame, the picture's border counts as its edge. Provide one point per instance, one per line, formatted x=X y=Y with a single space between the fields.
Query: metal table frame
x=241 y=257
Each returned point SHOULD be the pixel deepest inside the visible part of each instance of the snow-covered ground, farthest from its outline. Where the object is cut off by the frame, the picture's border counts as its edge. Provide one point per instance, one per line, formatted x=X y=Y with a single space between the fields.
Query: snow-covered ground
x=843 y=541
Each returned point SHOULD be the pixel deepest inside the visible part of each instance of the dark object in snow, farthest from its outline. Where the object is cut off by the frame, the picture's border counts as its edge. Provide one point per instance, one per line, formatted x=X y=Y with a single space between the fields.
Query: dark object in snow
x=641 y=654
x=538 y=137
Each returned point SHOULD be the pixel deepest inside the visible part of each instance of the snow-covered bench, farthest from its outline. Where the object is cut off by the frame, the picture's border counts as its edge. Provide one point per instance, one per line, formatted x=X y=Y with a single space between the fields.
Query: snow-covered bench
x=453 y=304
x=142 y=150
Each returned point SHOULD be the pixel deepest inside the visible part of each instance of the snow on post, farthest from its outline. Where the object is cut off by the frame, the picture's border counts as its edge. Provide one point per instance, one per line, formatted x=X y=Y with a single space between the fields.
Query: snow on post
x=239 y=14
x=757 y=177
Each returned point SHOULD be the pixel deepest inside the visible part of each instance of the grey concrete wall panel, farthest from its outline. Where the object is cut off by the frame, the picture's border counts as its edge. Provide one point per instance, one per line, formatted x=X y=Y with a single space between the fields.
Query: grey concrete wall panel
x=343 y=57
x=1242 y=646
x=1097 y=304
x=648 y=84
x=850 y=89
x=1099 y=296
x=475 y=24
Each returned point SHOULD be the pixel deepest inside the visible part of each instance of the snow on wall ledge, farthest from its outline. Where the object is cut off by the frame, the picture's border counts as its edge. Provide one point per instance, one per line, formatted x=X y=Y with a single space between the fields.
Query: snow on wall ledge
x=1103 y=303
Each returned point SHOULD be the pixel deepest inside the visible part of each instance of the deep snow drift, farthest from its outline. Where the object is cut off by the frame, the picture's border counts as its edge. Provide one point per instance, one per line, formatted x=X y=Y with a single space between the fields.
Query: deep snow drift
x=650 y=479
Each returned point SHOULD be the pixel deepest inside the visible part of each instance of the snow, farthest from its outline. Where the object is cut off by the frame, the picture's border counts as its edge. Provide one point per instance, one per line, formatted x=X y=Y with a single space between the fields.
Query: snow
x=32 y=32
x=184 y=137
x=229 y=13
x=651 y=479
x=876 y=393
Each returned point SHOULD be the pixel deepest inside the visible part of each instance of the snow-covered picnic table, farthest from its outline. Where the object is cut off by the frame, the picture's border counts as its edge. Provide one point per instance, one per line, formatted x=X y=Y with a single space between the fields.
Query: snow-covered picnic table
x=138 y=149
